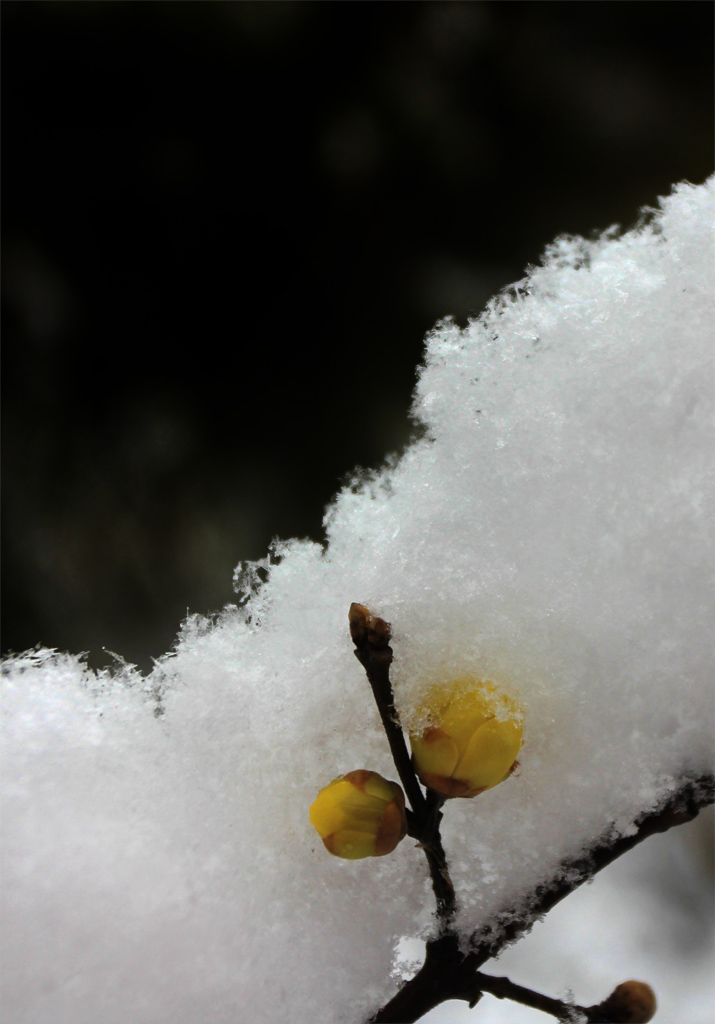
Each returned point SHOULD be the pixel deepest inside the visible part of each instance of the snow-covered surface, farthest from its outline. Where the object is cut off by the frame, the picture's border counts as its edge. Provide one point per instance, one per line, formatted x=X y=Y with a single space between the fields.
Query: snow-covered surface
x=549 y=531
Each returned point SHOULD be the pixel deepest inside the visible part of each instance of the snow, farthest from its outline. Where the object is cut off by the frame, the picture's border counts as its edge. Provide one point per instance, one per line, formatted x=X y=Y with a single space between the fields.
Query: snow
x=547 y=531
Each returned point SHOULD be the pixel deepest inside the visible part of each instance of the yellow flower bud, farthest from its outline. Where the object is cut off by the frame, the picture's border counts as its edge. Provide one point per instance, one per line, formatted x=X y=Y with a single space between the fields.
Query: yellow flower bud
x=360 y=815
x=468 y=749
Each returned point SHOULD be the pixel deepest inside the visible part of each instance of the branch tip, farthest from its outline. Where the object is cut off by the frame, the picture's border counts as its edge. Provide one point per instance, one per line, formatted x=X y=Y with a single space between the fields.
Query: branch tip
x=368 y=629
x=358 y=617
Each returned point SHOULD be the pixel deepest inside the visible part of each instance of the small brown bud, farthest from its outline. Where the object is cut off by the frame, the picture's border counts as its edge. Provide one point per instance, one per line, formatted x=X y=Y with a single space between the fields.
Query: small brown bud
x=359 y=618
x=365 y=628
x=632 y=1002
x=378 y=634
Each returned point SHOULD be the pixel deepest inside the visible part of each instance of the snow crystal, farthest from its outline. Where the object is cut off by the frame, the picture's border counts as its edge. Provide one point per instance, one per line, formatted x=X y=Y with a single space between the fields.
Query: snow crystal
x=547 y=531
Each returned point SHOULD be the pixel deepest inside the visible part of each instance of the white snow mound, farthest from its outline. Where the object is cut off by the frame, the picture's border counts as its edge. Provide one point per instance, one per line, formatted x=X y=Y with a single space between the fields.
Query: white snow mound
x=550 y=530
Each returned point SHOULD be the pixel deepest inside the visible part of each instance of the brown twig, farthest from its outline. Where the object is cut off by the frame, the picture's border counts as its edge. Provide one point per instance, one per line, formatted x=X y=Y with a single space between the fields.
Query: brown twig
x=371 y=636
x=504 y=988
x=632 y=1001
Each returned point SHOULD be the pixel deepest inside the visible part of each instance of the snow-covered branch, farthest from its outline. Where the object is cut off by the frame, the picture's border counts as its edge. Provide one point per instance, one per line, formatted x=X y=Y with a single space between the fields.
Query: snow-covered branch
x=450 y=973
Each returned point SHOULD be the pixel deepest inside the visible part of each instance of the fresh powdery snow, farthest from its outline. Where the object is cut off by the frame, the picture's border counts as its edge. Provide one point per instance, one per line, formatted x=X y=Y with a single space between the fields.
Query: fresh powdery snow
x=547 y=530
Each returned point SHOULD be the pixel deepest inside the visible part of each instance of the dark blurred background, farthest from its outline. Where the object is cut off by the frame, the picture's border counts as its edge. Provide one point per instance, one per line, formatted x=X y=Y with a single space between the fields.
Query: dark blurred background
x=227 y=228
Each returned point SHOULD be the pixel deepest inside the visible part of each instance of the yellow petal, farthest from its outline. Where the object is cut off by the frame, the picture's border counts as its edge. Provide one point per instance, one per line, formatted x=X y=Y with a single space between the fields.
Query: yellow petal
x=435 y=752
x=341 y=805
x=350 y=844
x=464 y=715
x=380 y=788
x=326 y=815
x=362 y=807
x=490 y=754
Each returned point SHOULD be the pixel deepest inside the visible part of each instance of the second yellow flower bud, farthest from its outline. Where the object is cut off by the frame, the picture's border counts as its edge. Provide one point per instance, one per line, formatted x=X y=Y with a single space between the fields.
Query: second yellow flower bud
x=360 y=815
x=468 y=749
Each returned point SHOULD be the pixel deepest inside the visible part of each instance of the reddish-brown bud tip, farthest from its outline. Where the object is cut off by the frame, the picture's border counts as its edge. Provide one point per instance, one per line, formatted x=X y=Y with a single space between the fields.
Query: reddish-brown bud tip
x=359 y=618
x=378 y=634
x=632 y=1002
x=365 y=628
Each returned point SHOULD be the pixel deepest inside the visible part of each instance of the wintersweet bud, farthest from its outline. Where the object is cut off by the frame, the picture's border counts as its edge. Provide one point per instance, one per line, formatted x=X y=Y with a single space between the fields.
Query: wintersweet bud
x=473 y=743
x=632 y=1002
x=360 y=815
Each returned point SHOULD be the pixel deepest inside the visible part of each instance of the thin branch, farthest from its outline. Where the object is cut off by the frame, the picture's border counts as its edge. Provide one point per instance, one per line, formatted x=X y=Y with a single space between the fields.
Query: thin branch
x=371 y=636
x=504 y=988
x=631 y=1001
x=437 y=860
